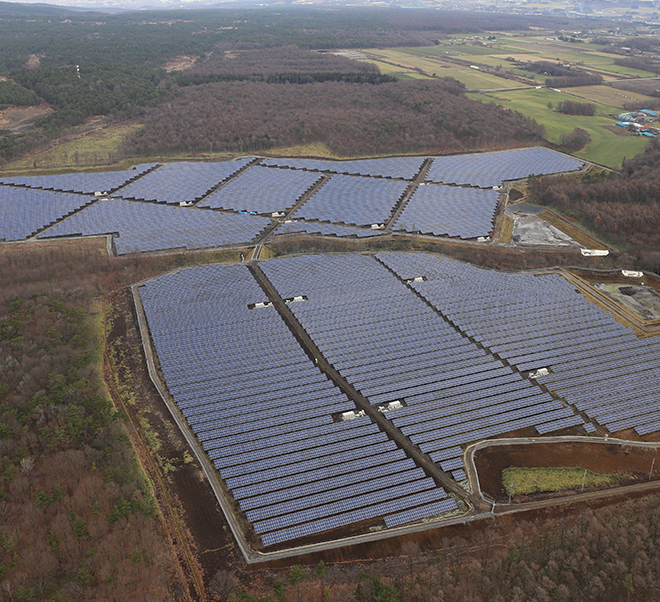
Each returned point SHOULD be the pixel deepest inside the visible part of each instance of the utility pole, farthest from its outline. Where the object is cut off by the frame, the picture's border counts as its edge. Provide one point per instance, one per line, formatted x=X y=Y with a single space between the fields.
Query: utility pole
x=651 y=471
x=584 y=478
x=510 y=491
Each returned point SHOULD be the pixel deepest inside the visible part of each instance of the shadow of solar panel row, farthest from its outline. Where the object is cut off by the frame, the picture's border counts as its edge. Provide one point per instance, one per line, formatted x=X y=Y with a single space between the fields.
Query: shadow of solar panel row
x=86 y=183
x=444 y=211
x=262 y=190
x=24 y=212
x=361 y=514
x=353 y=201
x=279 y=421
x=330 y=314
x=596 y=355
x=233 y=455
x=146 y=227
x=393 y=167
x=291 y=227
x=183 y=182
x=456 y=437
x=280 y=503
x=486 y=170
x=417 y=419
x=345 y=505
x=264 y=493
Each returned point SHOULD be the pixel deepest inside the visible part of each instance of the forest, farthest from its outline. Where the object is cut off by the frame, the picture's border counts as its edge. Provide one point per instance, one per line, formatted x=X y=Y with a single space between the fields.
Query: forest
x=350 y=118
x=602 y=555
x=78 y=516
x=622 y=209
x=122 y=57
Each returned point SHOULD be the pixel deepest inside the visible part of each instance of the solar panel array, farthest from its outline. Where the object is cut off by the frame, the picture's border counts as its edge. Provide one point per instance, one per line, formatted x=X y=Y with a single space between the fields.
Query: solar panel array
x=597 y=365
x=182 y=182
x=355 y=201
x=393 y=167
x=263 y=190
x=347 y=204
x=80 y=182
x=486 y=170
x=449 y=211
x=390 y=345
x=262 y=411
x=290 y=227
x=24 y=212
x=150 y=227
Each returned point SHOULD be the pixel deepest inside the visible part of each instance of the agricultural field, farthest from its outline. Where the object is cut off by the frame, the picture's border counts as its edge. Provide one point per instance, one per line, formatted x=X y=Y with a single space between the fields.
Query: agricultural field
x=606 y=147
x=436 y=67
x=608 y=97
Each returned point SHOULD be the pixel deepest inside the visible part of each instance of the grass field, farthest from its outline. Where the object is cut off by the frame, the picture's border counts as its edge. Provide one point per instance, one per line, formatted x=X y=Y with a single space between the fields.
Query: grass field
x=605 y=148
x=91 y=149
x=592 y=56
x=608 y=95
x=314 y=149
x=536 y=480
x=506 y=230
x=400 y=59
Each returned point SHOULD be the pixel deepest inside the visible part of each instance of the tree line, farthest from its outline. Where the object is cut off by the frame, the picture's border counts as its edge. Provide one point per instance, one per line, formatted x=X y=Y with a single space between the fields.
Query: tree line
x=623 y=209
x=13 y=94
x=573 y=107
x=606 y=555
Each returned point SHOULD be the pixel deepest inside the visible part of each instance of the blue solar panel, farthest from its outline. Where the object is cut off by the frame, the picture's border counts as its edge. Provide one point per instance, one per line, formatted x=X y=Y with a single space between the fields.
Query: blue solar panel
x=150 y=227
x=449 y=211
x=182 y=182
x=490 y=169
x=24 y=212
x=262 y=190
x=88 y=183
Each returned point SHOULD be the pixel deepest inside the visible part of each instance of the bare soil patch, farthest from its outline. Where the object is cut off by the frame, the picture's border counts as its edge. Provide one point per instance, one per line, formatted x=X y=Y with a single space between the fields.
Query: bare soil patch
x=195 y=521
x=617 y=130
x=602 y=458
x=530 y=230
x=179 y=63
x=16 y=119
x=644 y=301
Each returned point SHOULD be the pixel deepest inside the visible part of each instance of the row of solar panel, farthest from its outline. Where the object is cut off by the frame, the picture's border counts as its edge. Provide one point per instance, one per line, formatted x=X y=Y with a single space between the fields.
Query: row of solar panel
x=85 y=183
x=586 y=350
x=225 y=406
x=356 y=201
x=342 y=322
x=262 y=190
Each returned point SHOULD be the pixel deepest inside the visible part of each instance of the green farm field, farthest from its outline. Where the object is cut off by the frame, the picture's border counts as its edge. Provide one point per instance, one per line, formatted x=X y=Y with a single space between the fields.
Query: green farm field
x=402 y=60
x=606 y=147
x=536 y=480
x=612 y=97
